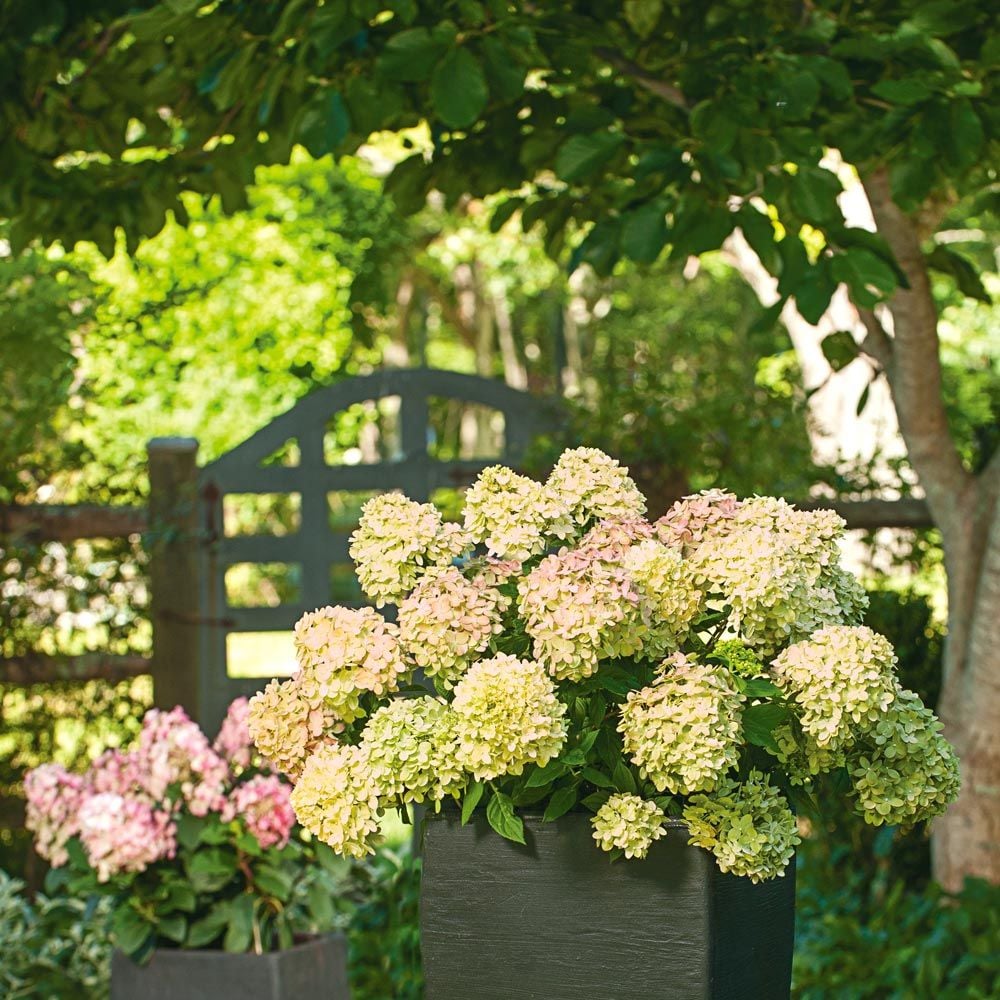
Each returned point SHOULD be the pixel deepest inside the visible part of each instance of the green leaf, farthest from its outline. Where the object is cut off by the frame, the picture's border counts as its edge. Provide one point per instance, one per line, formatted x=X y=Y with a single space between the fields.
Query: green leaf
x=173 y=927
x=644 y=232
x=181 y=896
x=210 y=870
x=204 y=931
x=473 y=794
x=412 y=55
x=324 y=124
x=239 y=931
x=862 y=270
x=504 y=75
x=699 y=227
x=814 y=194
x=910 y=90
x=563 y=799
x=712 y=122
x=189 y=829
x=501 y=816
x=596 y=777
x=643 y=15
x=130 y=930
x=623 y=778
x=839 y=349
x=863 y=400
x=544 y=775
x=321 y=906
x=459 y=91
x=503 y=212
x=274 y=882
x=813 y=291
x=580 y=156
x=760 y=721
x=595 y=800
x=949 y=262
x=759 y=232
x=758 y=687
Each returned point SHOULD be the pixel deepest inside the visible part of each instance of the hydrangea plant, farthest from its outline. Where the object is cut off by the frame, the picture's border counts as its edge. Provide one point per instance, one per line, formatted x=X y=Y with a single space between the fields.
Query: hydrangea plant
x=558 y=652
x=194 y=843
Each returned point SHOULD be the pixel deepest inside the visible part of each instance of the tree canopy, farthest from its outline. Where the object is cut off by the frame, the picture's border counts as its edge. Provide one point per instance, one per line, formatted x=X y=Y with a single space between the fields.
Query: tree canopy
x=661 y=125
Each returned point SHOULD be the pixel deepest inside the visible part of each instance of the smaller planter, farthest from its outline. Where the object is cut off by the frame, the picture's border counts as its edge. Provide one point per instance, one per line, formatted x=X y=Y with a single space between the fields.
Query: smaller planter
x=317 y=968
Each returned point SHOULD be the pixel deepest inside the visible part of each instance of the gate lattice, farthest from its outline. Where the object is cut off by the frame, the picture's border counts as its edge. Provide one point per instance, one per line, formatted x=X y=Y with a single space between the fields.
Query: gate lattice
x=407 y=462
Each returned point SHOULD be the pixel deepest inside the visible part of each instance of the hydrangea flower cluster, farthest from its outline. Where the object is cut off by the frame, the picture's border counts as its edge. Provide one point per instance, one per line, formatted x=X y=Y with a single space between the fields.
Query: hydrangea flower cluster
x=778 y=570
x=513 y=516
x=396 y=542
x=628 y=823
x=411 y=748
x=579 y=610
x=343 y=652
x=124 y=810
x=843 y=680
x=558 y=651
x=747 y=825
x=683 y=730
x=903 y=770
x=336 y=798
x=447 y=621
x=507 y=715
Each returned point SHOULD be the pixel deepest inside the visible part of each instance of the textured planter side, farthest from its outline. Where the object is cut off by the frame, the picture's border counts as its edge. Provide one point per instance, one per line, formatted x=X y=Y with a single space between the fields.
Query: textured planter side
x=554 y=920
x=317 y=968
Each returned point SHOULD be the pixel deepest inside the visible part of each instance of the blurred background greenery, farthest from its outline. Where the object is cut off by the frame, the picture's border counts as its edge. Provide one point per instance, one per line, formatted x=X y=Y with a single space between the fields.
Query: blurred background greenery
x=213 y=329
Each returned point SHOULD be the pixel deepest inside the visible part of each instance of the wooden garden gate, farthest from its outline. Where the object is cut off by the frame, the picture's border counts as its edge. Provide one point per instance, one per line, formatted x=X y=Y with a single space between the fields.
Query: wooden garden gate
x=421 y=431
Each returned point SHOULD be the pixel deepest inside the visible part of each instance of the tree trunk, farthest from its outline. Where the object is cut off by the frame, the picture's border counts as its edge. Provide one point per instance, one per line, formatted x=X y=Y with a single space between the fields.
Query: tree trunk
x=966 y=840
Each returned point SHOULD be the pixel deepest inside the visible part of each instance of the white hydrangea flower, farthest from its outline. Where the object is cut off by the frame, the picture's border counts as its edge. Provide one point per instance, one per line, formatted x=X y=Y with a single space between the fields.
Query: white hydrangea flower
x=843 y=680
x=514 y=516
x=778 y=569
x=345 y=651
x=447 y=621
x=507 y=716
x=628 y=823
x=904 y=770
x=288 y=721
x=689 y=520
x=579 y=610
x=683 y=731
x=595 y=487
x=747 y=825
x=336 y=799
x=667 y=584
x=411 y=750
x=397 y=540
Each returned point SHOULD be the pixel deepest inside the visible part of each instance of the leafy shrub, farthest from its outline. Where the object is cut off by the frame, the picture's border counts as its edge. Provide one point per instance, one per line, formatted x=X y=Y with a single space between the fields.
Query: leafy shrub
x=52 y=948
x=384 y=933
x=854 y=944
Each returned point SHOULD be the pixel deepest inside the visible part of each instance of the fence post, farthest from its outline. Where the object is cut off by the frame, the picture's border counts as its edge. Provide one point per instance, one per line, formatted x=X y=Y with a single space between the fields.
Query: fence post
x=173 y=572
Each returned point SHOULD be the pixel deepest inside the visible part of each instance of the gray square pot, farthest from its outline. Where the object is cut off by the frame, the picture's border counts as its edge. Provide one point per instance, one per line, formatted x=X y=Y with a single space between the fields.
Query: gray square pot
x=315 y=970
x=555 y=920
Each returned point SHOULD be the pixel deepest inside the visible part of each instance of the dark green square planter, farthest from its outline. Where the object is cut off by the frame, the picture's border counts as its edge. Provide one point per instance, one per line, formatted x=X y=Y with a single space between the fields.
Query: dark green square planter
x=315 y=969
x=555 y=920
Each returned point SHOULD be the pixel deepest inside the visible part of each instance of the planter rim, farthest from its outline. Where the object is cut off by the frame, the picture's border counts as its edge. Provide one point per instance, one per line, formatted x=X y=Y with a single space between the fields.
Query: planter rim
x=447 y=812
x=204 y=953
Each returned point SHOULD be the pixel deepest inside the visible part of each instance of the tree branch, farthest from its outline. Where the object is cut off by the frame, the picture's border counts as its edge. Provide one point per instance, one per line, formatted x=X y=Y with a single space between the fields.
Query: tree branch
x=877 y=343
x=647 y=81
x=914 y=370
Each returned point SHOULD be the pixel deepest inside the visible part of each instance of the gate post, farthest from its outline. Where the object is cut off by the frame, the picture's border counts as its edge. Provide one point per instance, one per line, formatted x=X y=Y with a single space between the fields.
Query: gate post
x=173 y=572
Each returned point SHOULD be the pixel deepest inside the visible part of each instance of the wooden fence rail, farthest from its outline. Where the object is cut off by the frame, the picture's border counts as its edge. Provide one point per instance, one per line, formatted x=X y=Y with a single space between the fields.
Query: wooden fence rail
x=71 y=522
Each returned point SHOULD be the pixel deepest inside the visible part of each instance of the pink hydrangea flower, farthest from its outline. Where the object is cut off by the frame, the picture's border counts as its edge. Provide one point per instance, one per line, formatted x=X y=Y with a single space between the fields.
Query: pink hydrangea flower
x=233 y=742
x=122 y=833
x=115 y=771
x=53 y=801
x=175 y=751
x=264 y=804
